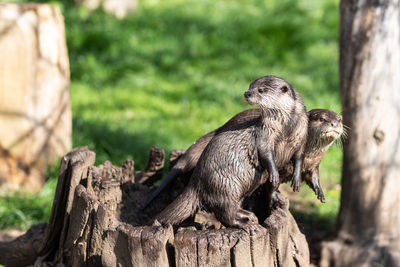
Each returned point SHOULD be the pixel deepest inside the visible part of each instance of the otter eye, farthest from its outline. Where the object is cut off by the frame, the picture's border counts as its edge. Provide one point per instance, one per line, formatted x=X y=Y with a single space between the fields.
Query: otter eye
x=284 y=89
x=260 y=90
x=322 y=120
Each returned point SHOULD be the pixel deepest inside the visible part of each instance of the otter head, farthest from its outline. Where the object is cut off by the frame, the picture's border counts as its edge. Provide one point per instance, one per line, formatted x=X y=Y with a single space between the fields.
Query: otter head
x=324 y=126
x=271 y=92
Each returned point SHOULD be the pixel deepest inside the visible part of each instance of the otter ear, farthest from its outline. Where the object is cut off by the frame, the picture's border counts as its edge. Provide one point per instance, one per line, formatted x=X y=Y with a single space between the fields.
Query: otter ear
x=284 y=89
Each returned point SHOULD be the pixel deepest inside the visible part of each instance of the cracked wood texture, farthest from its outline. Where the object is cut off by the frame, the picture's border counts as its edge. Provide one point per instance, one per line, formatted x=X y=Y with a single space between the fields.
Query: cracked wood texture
x=34 y=93
x=97 y=220
x=369 y=218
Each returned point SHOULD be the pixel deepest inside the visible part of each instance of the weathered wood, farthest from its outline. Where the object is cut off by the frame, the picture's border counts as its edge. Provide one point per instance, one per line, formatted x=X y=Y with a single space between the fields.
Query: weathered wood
x=81 y=219
x=154 y=167
x=368 y=231
x=185 y=244
x=23 y=250
x=34 y=91
x=260 y=242
x=71 y=171
x=136 y=246
x=153 y=242
x=96 y=222
x=241 y=251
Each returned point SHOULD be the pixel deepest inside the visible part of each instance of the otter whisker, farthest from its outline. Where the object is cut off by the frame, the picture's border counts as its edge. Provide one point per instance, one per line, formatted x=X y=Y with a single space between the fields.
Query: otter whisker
x=339 y=143
x=346 y=128
x=345 y=131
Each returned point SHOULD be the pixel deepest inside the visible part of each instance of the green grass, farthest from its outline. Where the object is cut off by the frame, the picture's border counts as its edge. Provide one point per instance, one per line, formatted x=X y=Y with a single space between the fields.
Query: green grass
x=176 y=69
x=21 y=210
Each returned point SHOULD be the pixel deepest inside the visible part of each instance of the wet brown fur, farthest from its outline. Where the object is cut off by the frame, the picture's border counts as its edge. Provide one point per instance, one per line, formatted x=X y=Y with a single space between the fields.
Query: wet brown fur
x=188 y=161
x=242 y=157
x=324 y=127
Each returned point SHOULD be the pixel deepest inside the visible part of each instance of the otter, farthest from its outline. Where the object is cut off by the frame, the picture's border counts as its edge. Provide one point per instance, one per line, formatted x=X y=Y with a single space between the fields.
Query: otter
x=324 y=127
x=188 y=161
x=237 y=161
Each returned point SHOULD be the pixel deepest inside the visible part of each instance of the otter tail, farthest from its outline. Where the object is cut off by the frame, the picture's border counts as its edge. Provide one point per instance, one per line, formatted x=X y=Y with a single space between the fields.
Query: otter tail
x=170 y=176
x=181 y=208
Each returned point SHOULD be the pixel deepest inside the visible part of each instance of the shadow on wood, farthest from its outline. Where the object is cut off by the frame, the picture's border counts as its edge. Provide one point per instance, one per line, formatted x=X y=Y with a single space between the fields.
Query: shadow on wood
x=97 y=220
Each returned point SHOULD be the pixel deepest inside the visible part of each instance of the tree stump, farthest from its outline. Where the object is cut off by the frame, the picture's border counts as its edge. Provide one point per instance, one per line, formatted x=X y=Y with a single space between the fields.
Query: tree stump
x=97 y=220
x=35 y=111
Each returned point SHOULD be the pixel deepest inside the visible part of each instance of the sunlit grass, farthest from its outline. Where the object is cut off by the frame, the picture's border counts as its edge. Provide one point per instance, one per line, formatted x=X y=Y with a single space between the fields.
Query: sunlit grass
x=21 y=210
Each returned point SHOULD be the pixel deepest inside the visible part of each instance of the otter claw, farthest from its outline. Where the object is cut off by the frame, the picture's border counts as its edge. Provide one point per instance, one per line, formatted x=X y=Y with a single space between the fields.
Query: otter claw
x=318 y=191
x=321 y=198
x=274 y=179
x=296 y=183
x=277 y=201
x=250 y=228
x=320 y=194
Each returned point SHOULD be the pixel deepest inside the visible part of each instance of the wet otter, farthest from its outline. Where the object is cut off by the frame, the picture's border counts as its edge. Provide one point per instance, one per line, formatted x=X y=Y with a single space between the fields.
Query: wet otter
x=324 y=127
x=188 y=161
x=236 y=161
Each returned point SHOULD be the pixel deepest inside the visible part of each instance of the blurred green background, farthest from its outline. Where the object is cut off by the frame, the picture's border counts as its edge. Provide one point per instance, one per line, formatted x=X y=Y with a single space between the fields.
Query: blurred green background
x=176 y=69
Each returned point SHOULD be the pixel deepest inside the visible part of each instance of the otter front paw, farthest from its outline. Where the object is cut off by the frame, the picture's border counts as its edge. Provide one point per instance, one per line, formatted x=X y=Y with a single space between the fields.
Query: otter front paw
x=278 y=201
x=296 y=183
x=249 y=227
x=274 y=179
x=320 y=194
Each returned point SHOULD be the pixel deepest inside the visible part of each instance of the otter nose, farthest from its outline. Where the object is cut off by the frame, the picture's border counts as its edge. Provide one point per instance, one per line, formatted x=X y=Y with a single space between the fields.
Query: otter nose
x=335 y=124
x=247 y=94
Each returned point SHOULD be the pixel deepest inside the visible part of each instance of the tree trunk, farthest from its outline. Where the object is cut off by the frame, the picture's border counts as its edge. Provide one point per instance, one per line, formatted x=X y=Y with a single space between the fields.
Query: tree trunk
x=35 y=111
x=97 y=220
x=369 y=219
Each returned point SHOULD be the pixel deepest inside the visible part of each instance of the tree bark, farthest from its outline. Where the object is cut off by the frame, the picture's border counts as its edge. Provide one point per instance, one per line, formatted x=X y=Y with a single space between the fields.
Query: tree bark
x=369 y=219
x=35 y=111
x=97 y=220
